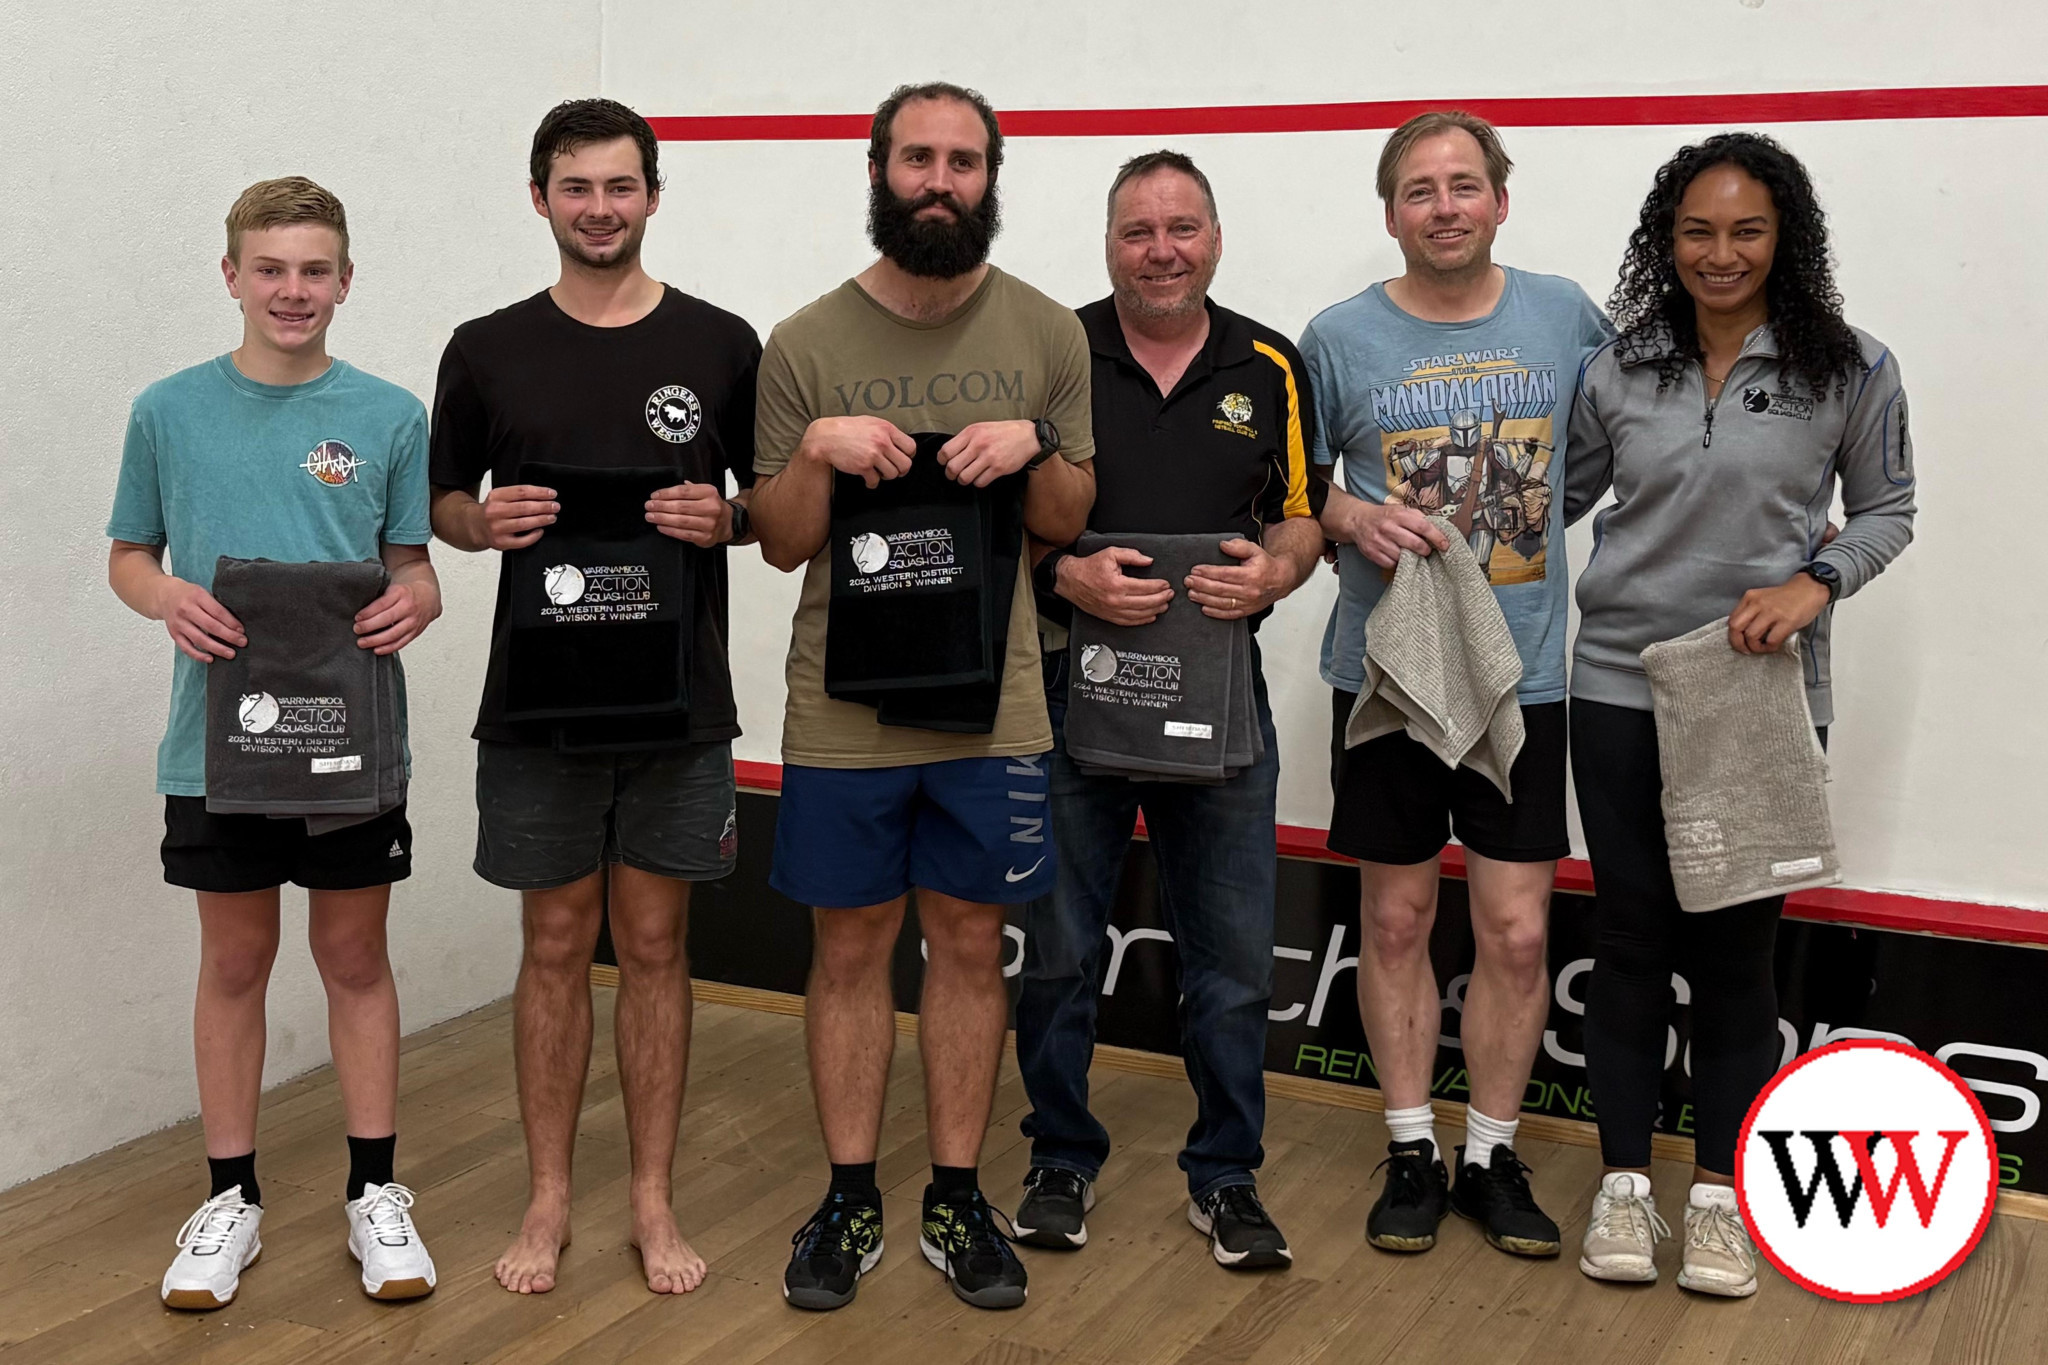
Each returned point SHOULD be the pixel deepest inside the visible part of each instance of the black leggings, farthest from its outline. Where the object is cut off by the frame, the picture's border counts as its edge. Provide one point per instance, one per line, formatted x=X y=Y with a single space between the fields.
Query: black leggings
x=1642 y=938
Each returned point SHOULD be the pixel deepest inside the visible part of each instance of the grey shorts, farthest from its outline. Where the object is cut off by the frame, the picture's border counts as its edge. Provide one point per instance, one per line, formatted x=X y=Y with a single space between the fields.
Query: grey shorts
x=547 y=818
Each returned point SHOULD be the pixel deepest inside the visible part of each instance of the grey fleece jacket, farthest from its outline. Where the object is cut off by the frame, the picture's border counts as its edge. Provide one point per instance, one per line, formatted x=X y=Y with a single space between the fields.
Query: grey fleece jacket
x=1715 y=498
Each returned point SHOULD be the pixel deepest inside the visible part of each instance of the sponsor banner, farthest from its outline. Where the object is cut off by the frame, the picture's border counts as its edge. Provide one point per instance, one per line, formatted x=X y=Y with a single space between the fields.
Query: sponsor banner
x=1972 y=1006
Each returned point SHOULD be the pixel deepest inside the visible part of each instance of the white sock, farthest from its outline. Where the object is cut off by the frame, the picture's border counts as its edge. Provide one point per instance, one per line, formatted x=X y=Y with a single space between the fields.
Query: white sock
x=1483 y=1134
x=1407 y=1126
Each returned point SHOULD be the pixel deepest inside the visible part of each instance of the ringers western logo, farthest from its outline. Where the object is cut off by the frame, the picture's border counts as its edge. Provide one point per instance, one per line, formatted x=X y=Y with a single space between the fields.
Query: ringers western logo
x=332 y=462
x=1867 y=1171
x=674 y=414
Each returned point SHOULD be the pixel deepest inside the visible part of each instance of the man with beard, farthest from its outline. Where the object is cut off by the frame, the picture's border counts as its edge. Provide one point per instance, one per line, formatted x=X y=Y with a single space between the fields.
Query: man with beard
x=930 y=338
x=1442 y=391
x=609 y=369
x=1203 y=423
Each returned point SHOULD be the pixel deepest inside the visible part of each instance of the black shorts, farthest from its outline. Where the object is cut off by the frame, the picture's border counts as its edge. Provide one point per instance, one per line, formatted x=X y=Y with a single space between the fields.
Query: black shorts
x=1398 y=803
x=204 y=851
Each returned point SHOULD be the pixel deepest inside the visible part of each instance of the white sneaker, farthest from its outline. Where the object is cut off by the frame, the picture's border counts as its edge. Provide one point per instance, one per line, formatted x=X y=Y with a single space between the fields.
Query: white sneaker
x=382 y=1237
x=1622 y=1230
x=1718 y=1256
x=217 y=1243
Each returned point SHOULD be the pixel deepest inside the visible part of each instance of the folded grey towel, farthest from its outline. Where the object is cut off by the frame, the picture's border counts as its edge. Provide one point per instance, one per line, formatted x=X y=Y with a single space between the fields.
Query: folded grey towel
x=1440 y=663
x=1166 y=701
x=303 y=722
x=1745 y=779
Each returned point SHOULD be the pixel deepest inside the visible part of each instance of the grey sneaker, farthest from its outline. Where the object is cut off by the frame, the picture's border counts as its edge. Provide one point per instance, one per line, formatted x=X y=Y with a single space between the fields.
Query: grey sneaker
x=1622 y=1230
x=1718 y=1256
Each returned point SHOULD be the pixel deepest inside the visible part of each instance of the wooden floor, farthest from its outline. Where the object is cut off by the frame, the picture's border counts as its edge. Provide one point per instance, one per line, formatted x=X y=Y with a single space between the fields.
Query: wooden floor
x=82 y=1250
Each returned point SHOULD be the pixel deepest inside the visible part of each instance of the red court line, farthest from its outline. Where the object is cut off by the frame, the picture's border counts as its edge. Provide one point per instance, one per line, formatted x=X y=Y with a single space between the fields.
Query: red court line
x=1574 y=111
x=1830 y=905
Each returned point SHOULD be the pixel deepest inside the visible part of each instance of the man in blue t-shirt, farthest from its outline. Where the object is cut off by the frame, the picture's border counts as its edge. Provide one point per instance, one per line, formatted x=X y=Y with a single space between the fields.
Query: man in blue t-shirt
x=276 y=451
x=1444 y=391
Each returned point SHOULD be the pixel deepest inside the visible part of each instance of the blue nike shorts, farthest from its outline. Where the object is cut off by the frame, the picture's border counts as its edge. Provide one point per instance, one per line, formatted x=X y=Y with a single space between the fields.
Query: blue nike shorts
x=977 y=829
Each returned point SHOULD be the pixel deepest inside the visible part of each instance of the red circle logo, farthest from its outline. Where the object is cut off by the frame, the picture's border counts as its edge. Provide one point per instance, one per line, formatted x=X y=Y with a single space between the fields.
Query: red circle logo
x=1867 y=1171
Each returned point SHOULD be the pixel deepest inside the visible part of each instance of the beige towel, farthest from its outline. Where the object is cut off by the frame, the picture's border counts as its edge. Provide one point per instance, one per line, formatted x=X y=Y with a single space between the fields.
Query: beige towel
x=1439 y=662
x=1745 y=778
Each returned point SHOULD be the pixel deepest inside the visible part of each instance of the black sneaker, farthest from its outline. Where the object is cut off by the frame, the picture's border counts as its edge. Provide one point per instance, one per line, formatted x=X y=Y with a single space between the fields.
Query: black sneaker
x=1417 y=1194
x=961 y=1239
x=1241 y=1233
x=1496 y=1196
x=840 y=1244
x=1055 y=1208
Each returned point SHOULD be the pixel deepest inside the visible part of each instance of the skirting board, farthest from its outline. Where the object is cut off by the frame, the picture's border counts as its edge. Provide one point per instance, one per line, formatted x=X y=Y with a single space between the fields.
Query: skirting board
x=1543 y=1127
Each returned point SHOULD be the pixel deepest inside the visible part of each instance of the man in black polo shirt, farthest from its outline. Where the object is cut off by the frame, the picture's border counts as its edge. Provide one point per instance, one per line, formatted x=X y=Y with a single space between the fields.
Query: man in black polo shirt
x=1203 y=421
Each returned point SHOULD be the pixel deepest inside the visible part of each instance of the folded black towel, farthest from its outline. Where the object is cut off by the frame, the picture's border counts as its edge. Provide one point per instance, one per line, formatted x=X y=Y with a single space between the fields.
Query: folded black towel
x=924 y=576
x=602 y=605
x=1170 y=700
x=303 y=721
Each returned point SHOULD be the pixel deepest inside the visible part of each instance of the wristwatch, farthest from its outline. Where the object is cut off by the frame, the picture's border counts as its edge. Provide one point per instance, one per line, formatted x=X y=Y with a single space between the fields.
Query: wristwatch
x=1048 y=443
x=1827 y=575
x=742 y=519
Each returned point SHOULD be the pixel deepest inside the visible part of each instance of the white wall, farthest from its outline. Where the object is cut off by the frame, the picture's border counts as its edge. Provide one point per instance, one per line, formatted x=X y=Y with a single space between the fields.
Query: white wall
x=125 y=156
x=1940 y=750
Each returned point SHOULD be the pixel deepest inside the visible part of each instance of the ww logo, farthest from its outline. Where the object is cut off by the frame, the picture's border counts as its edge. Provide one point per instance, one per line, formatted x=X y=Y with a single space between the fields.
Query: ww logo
x=1866 y=1171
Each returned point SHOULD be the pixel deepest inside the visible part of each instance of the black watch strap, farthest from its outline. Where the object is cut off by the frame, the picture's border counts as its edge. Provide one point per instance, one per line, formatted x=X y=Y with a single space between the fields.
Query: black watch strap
x=1827 y=575
x=742 y=519
x=1048 y=443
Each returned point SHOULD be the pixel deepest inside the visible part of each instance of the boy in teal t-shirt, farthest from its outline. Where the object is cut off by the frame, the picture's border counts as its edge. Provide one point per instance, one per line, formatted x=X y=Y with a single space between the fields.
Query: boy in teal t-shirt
x=277 y=451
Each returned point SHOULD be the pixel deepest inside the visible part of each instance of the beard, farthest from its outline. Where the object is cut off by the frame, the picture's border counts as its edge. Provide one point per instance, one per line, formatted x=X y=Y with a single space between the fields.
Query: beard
x=930 y=248
x=624 y=251
x=1193 y=297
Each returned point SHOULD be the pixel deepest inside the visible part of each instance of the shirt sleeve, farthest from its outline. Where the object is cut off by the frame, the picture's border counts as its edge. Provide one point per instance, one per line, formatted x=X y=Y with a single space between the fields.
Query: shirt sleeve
x=1589 y=450
x=1294 y=493
x=1316 y=399
x=1069 y=402
x=736 y=422
x=780 y=414
x=138 y=515
x=460 y=450
x=1876 y=467
x=405 y=491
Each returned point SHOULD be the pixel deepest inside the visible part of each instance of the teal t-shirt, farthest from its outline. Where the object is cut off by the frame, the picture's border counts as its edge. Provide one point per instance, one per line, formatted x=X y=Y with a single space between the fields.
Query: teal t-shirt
x=1463 y=419
x=218 y=464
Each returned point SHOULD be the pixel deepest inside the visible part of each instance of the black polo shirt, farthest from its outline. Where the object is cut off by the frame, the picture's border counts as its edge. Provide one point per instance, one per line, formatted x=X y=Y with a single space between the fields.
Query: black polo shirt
x=1227 y=450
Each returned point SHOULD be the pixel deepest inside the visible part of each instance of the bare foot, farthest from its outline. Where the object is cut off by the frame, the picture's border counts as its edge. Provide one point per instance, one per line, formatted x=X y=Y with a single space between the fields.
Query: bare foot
x=528 y=1265
x=672 y=1268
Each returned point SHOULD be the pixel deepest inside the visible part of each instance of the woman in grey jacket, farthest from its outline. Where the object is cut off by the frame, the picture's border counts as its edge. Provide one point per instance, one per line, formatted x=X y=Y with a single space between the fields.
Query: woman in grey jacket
x=1733 y=403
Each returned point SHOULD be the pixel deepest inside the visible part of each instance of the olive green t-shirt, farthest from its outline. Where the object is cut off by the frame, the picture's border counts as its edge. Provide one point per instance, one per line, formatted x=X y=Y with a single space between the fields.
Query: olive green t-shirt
x=1009 y=352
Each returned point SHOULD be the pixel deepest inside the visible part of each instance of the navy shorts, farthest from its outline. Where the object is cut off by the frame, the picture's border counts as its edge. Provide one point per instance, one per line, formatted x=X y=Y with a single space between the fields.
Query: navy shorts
x=546 y=818
x=976 y=829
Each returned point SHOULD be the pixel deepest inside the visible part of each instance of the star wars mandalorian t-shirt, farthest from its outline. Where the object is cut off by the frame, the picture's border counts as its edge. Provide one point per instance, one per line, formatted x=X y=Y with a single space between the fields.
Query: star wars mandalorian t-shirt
x=1465 y=420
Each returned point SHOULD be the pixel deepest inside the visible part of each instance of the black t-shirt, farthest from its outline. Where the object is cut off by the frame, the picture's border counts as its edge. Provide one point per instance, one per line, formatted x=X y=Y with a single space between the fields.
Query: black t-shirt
x=530 y=383
x=1227 y=450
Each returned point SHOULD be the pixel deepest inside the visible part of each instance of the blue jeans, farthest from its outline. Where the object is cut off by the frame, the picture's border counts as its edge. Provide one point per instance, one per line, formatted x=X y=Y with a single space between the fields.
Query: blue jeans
x=1218 y=864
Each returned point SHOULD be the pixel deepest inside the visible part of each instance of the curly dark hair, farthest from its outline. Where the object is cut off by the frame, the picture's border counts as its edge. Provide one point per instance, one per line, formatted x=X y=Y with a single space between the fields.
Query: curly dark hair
x=1805 y=308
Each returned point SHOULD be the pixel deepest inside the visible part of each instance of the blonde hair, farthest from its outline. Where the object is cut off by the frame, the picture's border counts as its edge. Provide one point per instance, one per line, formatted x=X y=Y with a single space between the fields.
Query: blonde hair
x=1429 y=125
x=276 y=203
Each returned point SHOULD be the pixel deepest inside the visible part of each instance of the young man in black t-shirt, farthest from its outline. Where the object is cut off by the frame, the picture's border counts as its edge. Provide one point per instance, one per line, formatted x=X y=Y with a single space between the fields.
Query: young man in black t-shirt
x=601 y=807
x=1203 y=422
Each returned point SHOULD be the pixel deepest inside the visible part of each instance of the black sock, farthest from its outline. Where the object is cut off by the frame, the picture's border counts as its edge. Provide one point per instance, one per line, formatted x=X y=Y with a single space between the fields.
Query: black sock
x=369 y=1162
x=230 y=1171
x=856 y=1180
x=954 y=1182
